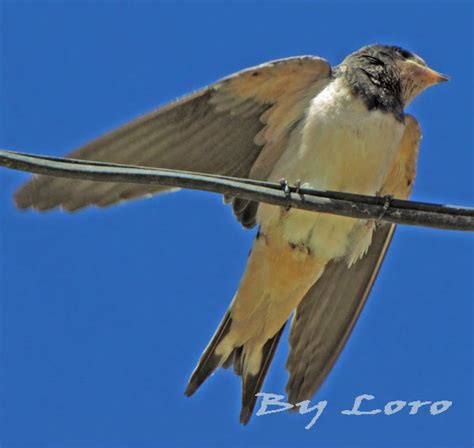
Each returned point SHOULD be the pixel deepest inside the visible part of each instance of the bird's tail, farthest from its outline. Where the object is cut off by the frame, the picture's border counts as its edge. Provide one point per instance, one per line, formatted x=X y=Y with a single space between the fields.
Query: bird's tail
x=277 y=277
x=251 y=381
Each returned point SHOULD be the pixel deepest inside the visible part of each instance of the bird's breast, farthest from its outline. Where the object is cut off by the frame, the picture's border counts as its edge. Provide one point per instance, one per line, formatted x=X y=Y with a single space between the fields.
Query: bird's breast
x=341 y=146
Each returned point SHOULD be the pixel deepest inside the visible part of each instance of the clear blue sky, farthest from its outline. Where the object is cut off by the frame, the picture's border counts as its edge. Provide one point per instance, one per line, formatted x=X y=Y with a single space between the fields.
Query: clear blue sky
x=104 y=313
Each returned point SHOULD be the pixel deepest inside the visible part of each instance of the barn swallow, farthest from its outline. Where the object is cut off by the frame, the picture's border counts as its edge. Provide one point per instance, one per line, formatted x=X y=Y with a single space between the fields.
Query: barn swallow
x=332 y=128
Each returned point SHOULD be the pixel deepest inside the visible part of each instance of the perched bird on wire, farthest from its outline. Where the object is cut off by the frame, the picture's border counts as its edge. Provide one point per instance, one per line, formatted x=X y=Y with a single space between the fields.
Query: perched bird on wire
x=337 y=128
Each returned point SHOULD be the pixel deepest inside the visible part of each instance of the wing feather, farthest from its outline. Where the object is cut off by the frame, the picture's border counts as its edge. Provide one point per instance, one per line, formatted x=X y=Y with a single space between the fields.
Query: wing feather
x=326 y=316
x=221 y=129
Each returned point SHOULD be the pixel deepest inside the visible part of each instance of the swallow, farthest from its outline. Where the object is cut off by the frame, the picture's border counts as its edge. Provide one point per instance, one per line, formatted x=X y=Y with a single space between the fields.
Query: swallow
x=337 y=128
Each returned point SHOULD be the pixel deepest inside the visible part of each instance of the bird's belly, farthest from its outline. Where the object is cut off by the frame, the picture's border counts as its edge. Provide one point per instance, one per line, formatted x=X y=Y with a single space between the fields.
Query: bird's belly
x=342 y=147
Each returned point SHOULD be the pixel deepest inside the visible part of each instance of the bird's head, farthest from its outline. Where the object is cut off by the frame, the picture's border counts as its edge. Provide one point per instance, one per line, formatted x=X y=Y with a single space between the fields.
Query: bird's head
x=392 y=64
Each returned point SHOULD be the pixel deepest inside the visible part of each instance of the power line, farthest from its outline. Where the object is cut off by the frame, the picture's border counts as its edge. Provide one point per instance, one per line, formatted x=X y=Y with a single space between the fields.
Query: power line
x=338 y=203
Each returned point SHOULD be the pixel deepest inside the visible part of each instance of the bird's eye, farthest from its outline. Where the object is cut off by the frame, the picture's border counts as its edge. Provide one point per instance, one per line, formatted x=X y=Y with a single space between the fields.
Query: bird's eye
x=409 y=56
x=405 y=54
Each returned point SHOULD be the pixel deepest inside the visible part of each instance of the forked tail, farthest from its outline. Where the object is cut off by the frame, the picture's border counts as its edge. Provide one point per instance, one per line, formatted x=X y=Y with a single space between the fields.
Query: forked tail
x=251 y=383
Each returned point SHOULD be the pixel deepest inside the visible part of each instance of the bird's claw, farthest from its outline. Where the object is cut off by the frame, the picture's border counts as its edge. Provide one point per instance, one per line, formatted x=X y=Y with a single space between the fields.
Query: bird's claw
x=387 y=203
x=285 y=186
x=297 y=186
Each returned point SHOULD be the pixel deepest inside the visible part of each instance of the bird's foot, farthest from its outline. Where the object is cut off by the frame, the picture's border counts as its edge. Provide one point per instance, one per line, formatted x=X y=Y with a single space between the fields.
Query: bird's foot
x=387 y=203
x=285 y=186
x=287 y=189
x=298 y=186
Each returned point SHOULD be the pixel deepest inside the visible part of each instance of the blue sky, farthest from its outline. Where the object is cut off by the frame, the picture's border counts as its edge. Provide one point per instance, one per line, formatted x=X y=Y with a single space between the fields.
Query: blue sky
x=104 y=313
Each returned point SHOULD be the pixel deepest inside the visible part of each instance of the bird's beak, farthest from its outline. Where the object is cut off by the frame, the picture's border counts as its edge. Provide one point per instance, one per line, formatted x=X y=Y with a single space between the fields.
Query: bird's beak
x=432 y=77
x=421 y=74
x=418 y=77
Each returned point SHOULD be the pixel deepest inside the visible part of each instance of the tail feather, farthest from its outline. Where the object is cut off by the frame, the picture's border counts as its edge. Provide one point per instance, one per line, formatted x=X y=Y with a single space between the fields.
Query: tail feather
x=235 y=360
x=251 y=383
x=276 y=279
x=209 y=361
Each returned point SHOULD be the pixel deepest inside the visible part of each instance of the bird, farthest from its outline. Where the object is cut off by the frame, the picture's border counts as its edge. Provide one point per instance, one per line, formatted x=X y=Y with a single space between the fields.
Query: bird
x=299 y=119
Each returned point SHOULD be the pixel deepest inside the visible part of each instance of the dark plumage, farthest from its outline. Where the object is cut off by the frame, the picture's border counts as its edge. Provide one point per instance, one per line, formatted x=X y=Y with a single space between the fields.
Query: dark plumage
x=374 y=75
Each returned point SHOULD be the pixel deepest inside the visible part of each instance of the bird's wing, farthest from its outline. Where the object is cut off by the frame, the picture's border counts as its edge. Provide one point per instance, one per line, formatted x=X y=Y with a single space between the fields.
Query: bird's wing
x=237 y=127
x=324 y=319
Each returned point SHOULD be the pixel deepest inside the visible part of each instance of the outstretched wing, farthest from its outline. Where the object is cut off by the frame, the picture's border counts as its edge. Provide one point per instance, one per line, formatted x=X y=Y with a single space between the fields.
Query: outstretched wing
x=237 y=127
x=324 y=319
